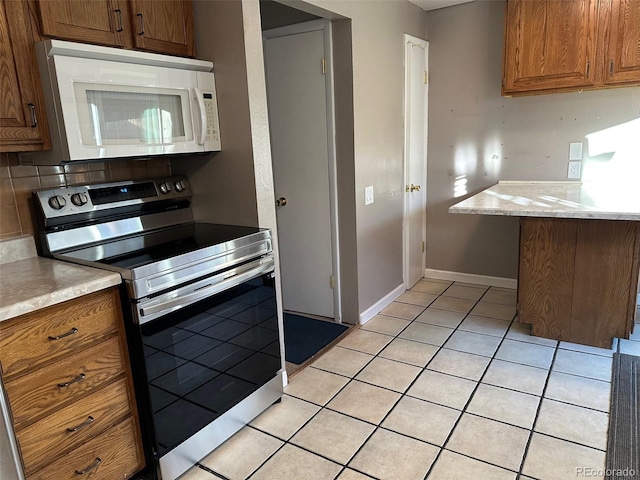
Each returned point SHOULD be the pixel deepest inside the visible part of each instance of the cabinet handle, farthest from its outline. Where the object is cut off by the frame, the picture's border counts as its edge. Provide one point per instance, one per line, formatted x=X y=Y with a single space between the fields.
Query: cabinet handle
x=86 y=423
x=588 y=68
x=34 y=119
x=611 y=67
x=141 y=32
x=58 y=337
x=95 y=463
x=79 y=378
x=119 y=14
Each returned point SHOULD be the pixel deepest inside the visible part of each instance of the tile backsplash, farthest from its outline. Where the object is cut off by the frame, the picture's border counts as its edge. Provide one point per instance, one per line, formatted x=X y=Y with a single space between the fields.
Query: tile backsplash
x=17 y=181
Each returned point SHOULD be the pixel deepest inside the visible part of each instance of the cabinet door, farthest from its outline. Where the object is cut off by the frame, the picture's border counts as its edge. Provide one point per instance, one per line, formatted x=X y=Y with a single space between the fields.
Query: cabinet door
x=549 y=45
x=23 y=123
x=623 y=54
x=164 y=26
x=97 y=21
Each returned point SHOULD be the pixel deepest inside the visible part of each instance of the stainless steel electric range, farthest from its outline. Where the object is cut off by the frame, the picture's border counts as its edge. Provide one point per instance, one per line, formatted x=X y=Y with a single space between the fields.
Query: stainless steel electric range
x=199 y=307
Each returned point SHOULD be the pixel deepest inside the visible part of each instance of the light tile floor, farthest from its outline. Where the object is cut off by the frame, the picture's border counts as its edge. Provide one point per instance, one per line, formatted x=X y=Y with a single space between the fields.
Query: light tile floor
x=443 y=384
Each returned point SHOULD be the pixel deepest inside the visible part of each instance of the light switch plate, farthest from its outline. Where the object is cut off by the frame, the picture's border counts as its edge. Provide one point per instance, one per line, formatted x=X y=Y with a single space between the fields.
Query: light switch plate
x=368 y=195
x=575 y=151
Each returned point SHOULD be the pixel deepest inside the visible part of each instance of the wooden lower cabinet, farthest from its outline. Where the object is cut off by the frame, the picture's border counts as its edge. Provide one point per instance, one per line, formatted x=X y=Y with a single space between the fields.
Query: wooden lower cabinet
x=109 y=456
x=53 y=333
x=578 y=279
x=74 y=425
x=67 y=379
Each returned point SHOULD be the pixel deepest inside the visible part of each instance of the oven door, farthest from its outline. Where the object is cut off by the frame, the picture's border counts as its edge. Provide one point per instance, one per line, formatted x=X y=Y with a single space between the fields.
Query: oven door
x=203 y=357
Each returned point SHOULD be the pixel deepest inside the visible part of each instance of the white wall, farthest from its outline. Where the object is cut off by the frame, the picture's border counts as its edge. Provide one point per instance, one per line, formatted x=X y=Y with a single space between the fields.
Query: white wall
x=476 y=133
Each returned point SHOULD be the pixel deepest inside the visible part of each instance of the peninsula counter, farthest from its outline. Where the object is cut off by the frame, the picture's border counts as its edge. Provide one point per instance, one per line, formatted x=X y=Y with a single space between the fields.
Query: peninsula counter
x=579 y=256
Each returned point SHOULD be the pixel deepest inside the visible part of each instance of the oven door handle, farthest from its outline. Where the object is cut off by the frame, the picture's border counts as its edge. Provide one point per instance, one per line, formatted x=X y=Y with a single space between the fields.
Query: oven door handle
x=230 y=279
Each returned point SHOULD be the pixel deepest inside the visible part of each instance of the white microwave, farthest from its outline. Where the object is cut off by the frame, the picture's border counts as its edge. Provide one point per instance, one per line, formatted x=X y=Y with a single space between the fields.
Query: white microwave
x=106 y=103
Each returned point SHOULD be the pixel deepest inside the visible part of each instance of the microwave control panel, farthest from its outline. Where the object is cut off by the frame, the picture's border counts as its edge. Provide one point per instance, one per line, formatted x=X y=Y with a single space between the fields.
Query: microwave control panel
x=210 y=112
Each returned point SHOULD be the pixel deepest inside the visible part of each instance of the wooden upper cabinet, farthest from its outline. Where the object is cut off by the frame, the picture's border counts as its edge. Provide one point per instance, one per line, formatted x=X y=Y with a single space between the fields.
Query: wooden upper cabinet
x=23 y=123
x=97 y=21
x=549 y=45
x=622 y=54
x=568 y=45
x=163 y=26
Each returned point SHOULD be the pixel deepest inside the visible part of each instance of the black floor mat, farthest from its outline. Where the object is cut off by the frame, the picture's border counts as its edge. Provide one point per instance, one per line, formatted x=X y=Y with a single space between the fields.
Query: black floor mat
x=304 y=337
x=623 y=447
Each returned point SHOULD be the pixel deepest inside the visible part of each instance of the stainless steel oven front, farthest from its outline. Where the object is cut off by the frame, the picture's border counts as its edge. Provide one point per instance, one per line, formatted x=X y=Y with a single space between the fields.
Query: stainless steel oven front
x=199 y=307
x=205 y=347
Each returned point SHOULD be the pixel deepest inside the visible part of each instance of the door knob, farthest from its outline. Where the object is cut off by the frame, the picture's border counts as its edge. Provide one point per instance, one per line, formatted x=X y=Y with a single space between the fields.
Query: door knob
x=413 y=188
x=281 y=202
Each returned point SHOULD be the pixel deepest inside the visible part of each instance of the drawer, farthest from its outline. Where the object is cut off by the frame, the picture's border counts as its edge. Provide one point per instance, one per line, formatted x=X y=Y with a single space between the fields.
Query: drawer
x=38 y=338
x=114 y=455
x=73 y=425
x=35 y=395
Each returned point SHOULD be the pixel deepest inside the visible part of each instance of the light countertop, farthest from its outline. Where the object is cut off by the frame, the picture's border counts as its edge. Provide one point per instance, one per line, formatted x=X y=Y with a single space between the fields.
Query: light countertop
x=29 y=282
x=554 y=199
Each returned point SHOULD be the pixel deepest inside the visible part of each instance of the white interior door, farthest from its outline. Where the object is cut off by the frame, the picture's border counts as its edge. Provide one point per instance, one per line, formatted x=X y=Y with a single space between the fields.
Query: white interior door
x=298 y=123
x=416 y=89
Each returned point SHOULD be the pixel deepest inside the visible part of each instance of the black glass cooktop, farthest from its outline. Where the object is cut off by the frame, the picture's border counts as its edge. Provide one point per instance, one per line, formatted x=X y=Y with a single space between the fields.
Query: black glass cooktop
x=136 y=251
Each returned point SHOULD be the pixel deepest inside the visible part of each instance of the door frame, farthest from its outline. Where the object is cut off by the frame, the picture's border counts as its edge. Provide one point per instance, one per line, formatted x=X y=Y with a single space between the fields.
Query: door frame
x=325 y=26
x=411 y=40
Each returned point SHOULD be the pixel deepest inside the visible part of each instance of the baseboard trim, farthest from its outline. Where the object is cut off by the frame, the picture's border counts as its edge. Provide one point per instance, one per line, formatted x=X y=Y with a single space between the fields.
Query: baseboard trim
x=471 y=278
x=374 y=309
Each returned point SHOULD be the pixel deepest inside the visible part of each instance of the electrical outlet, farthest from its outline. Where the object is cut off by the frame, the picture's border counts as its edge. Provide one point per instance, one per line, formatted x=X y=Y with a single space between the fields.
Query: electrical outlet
x=368 y=195
x=574 y=170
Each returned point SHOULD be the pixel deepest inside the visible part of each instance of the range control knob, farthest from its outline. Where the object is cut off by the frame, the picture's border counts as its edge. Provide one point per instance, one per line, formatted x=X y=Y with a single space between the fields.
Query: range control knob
x=79 y=199
x=164 y=188
x=57 y=202
x=179 y=186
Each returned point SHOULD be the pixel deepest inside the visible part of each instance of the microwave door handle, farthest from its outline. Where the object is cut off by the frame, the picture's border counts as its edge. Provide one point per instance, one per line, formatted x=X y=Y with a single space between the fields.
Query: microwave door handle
x=197 y=95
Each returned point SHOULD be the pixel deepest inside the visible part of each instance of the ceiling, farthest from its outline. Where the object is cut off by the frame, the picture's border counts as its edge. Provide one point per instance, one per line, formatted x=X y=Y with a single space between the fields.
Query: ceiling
x=433 y=4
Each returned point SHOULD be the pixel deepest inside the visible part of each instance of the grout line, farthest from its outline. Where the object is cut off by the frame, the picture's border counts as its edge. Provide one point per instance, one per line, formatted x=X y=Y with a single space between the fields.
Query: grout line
x=344 y=468
x=288 y=442
x=580 y=376
x=479 y=460
x=537 y=415
x=570 y=441
x=212 y=472
x=466 y=405
x=257 y=469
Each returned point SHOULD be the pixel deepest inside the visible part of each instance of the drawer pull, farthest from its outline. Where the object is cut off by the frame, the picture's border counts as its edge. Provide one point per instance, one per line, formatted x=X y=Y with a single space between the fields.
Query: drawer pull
x=77 y=379
x=95 y=463
x=119 y=13
x=141 y=32
x=86 y=423
x=34 y=119
x=58 y=337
